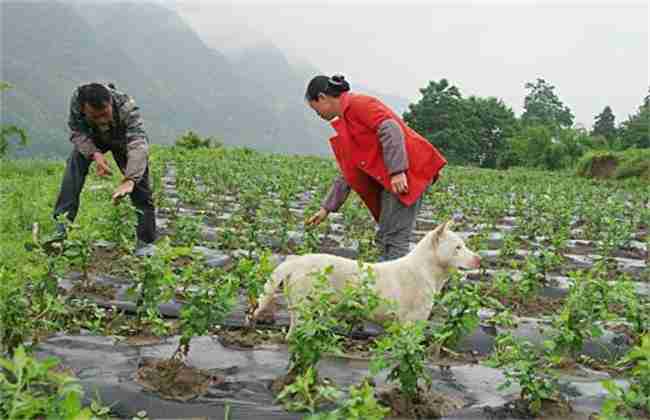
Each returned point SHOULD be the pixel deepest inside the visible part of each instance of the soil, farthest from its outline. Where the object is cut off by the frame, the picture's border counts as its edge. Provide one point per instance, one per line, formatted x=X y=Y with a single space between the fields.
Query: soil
x=173 y=379
x=625 y=330
x=535 y=305
x=278 y=384
x=104 y=261
x=603 y=167
x=445 y=358
x=247 y=338
x=426 y=404
x=518 y=409
x=620 y=253
x=143 y=340
x=631 y=414
x=328 y=243
x=182 y=262
x=93 y=288
x=357 y=348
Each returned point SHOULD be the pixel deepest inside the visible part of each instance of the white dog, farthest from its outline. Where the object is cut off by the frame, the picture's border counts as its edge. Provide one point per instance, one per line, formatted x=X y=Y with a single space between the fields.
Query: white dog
x=410 y=282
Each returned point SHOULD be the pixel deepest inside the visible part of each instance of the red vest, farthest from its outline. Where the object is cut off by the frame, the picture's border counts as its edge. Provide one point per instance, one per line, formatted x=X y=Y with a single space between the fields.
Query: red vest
x=359 y=153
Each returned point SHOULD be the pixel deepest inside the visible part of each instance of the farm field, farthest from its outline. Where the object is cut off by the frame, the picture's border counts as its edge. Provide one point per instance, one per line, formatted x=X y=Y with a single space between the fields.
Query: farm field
x=558 y=309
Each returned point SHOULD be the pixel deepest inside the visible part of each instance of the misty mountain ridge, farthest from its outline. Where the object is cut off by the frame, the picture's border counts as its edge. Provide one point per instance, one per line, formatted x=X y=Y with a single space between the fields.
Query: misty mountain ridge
x=247 y=97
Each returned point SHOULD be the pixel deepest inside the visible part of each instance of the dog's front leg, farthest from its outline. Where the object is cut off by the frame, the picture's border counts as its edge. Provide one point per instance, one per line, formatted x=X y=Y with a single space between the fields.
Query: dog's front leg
x=293 y=321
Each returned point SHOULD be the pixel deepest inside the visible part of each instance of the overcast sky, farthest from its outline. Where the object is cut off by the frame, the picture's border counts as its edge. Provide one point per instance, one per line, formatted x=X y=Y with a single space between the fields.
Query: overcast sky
x=595 y=53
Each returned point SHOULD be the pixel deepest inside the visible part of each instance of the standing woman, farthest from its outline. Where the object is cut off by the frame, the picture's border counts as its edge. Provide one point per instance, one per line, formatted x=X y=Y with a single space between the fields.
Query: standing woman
x=387 y=163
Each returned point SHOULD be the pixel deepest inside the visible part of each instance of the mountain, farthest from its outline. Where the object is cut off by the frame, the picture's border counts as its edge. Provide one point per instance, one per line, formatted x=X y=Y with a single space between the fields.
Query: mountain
x=149 y=52
x=44 y=59
x=248 y=96
x=266 y=70
x=306 y=70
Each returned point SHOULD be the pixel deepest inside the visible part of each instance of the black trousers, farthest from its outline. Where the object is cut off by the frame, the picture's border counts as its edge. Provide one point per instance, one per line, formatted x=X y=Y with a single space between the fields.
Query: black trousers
x=73 y=181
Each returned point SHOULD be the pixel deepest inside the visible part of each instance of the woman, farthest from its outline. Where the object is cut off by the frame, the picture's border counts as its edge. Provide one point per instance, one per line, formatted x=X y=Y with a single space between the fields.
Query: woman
x=388 y=164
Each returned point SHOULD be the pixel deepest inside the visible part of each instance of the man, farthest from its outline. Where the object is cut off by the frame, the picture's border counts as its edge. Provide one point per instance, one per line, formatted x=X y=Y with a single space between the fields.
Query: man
x=103 y=119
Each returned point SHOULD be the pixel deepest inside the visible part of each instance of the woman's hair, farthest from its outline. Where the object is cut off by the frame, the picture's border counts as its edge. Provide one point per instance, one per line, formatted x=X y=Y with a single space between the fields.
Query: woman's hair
x=95 y=95
x=330 y=86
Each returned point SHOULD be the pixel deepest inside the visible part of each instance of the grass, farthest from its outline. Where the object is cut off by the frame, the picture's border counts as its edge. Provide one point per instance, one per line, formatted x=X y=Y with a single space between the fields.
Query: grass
x=631 y=163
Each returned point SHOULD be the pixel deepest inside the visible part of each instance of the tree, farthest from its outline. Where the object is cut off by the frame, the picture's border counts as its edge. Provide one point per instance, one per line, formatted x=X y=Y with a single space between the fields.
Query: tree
x=604 y=125
x=491 y=123
x=541 y=146
x=543 y=107
x=439 y=116
x=635 y=132
x=8 y=131
x=467 y=131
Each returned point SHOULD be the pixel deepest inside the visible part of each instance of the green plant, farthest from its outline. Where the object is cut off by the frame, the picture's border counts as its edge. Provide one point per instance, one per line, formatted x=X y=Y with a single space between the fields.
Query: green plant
x=311 y=242
x=358 y=299
x=546 y=261
x=360 y=405
x=8 y=131
x=305 y=394
x=155 y=281
x=253 y=275
x=534 y=274
x=75 y=314
x=77 y=249
x=326 y=313
x=508 y=248
x=637 y=396
x=461 y=303
x=15 y=317
x=209 y=303
x=403 y=351
x=229 y=239
x=191 y=140
x=188 y=231
x=503 y=318
x=527 y=367
x=504 y=285
x=635 y=310
x=316 y=326
x=117 y=223
x=615 y=234
x=587 y=304
x=30 y=389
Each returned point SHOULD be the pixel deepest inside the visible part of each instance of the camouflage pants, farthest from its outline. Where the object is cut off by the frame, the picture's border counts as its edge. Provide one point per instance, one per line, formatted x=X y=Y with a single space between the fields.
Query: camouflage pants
x=73 y=181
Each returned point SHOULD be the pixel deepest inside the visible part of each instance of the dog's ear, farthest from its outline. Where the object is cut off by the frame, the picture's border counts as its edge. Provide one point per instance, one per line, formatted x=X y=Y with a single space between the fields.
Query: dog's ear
x=437 y=233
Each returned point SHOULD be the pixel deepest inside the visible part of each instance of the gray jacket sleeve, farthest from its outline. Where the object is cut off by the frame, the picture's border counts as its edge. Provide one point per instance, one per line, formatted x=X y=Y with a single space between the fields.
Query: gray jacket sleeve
x=337 y=195
x=137 y=145
x=79 y=130
x=391 y=138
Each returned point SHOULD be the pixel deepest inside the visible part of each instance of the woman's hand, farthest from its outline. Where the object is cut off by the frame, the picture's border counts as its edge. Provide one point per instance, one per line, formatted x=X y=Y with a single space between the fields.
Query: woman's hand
x=399 y=183
x=317 y=218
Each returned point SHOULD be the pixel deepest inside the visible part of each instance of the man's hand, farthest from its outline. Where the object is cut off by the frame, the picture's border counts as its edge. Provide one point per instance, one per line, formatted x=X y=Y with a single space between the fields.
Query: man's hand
x=102 y=164
x=317 y=218
x=399 y=183
x=123 y=189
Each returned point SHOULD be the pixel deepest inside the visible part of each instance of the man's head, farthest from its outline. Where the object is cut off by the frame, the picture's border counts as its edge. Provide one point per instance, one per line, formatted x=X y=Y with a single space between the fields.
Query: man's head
x=96 y=104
